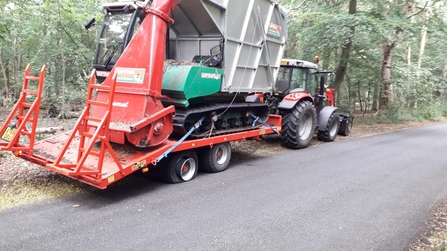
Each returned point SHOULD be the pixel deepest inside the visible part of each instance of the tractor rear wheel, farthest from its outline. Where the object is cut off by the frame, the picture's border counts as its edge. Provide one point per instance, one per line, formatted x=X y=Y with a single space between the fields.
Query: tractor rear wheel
x=298 y=125
x=215 y=159
x=333 y=125
x=179 y=167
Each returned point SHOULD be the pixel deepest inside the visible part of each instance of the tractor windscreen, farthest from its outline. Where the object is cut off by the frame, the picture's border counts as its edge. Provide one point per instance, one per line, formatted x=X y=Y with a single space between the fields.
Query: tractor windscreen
x=293 y=79
x=117 y=30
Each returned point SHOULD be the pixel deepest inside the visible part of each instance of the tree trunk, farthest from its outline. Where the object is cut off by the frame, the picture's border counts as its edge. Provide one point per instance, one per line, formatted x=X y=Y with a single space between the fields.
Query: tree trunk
x=422 y=49
x=375 y=97
x=326 y=59
x=386 y=94
x=17 y=65
x=5 y=72
x=346 y=51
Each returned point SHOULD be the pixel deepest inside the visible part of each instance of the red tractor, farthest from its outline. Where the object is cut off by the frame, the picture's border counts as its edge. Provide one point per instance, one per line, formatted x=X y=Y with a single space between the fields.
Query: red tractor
x=307 y=106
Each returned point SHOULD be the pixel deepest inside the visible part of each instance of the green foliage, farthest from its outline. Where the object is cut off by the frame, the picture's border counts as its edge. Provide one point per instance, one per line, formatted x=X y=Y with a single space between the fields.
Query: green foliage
x=396 y=114
x=314 y=29
x=51 y=33
x=7 y=102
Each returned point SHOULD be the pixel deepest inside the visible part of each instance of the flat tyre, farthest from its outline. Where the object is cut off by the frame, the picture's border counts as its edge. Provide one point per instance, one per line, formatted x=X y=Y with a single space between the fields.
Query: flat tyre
x=215 y=159
x=179 y=167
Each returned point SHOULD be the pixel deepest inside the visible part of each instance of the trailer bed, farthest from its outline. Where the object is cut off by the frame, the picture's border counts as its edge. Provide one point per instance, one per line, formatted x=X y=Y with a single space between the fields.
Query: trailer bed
x=130 y=158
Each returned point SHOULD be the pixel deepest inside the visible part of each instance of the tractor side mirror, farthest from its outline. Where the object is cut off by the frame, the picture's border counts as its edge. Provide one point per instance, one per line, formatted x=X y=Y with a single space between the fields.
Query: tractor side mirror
x=215 y=50
x=90 y=23
x=216 y=55
x=331 y=78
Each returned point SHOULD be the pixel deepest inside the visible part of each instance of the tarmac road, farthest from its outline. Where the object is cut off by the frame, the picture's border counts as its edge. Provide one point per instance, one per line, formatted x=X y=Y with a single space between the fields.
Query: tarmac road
x=373 y=193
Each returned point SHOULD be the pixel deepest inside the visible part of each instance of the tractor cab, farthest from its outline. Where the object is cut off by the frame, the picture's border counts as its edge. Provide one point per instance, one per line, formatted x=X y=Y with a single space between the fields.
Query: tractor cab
x=296 y=76
x=121 y=20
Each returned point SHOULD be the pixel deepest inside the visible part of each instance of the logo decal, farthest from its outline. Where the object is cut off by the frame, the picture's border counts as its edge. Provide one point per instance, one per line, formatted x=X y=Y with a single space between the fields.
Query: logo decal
x=274 y=30
x=211 y=75
x=120 y=104
x=130 y=75
x=102 y=73
x=139 y=165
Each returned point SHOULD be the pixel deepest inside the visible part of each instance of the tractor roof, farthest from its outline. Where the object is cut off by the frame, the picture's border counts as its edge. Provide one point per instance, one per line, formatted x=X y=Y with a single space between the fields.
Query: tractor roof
x=299 y=63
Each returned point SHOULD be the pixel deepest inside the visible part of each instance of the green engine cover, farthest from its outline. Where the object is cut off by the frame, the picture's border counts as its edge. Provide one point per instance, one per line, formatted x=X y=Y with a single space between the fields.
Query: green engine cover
x=185 y=82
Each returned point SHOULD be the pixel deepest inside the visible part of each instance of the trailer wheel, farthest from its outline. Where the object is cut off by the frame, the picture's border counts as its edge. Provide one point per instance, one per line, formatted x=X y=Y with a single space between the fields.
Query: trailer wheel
x=215 y=159
x=298 y=126
x=332 y=129
x=345 y=126
x=180 y=167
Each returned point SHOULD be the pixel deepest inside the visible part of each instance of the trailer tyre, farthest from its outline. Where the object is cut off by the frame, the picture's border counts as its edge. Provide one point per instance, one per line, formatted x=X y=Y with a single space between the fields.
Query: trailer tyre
x=180 y=167
x=345 y=126
x=215 y=159
x=298 y=125
x=333 y=125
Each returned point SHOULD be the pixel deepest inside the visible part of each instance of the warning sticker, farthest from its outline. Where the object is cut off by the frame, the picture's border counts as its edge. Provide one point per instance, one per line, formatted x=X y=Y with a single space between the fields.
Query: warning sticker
x=9 y=133
x=130 y=75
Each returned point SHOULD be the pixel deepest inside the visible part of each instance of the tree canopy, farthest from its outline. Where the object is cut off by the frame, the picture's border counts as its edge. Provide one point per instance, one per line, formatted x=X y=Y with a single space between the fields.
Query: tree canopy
x=398 y=53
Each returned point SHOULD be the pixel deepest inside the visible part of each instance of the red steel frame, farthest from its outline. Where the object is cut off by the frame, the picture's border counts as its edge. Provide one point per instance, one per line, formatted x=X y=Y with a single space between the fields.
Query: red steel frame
x=24 y=117
x=82 y=130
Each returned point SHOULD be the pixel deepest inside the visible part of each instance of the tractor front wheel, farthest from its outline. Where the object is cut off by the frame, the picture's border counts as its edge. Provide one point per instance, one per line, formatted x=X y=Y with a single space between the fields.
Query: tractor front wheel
x=298 y=125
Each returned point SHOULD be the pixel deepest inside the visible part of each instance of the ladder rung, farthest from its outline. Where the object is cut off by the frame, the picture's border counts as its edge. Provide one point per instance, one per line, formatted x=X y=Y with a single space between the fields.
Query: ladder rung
x=25 y=132
x=94 y=153
x=88 y=135
x=91 y=102
x=32 y=78
x=26 y=105
x=23 y=118
x=93 y=119
x=30 y=91
x=100 y=87
x=88 y=171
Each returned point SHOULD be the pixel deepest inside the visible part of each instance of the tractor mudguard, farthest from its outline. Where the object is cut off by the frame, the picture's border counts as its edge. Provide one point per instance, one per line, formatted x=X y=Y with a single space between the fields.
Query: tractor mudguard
x=291 y=99
x=323 y=117
x=287 y=104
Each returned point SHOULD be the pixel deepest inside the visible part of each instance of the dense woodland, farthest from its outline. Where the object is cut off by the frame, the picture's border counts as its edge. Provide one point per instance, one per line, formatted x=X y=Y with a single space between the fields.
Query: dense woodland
x=390 y=56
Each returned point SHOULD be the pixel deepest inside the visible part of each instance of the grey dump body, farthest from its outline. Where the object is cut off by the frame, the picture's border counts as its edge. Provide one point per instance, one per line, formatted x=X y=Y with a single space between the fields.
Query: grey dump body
x=252 y=34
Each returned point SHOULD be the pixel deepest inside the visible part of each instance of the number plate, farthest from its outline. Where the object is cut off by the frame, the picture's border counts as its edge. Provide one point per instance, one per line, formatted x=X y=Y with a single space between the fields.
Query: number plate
x=9 y=133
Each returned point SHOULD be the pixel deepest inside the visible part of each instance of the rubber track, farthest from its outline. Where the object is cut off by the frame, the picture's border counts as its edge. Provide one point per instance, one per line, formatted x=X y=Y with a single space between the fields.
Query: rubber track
x=182 y=115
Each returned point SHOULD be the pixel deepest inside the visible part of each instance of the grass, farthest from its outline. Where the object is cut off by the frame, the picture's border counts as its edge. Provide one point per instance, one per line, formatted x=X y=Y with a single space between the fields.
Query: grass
x=22 y=191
